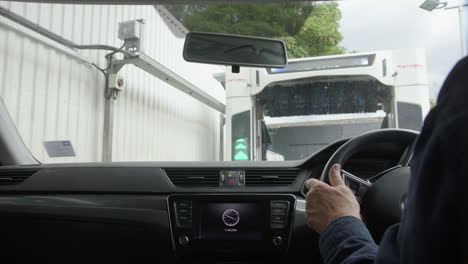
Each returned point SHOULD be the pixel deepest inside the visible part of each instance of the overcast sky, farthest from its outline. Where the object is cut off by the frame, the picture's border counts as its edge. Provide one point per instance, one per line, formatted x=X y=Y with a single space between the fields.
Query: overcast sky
x=369 y=25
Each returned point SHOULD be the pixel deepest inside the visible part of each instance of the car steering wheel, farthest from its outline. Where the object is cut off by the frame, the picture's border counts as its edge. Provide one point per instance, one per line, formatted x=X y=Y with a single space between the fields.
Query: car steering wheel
x=382 y=197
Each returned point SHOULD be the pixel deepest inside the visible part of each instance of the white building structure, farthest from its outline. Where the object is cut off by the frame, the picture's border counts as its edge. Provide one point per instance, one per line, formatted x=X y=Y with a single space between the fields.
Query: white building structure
x=54 y=93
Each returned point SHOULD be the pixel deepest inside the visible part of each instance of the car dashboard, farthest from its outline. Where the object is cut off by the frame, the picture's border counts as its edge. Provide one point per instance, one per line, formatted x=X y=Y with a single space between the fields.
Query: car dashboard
x=186 y=212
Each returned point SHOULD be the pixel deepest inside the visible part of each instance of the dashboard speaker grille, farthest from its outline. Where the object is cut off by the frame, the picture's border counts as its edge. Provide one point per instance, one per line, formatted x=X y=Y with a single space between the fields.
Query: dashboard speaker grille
x=194 y=177
x=15 y=176
x=270 y=177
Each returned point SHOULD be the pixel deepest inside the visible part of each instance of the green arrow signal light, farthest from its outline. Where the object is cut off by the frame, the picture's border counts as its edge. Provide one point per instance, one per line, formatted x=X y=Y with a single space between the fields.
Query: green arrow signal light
x=240 y=146
x=241 y=156
x=240 y=140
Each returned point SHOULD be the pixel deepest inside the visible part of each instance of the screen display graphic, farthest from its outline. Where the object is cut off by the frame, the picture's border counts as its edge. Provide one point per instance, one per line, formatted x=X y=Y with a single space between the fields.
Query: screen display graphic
x=232 y=221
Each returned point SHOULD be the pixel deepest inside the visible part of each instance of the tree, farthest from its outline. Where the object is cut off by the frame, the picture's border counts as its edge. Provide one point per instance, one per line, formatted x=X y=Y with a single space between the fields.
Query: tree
x=432 y=103
x=308 y=29
x=266 y=20
x=320 y=34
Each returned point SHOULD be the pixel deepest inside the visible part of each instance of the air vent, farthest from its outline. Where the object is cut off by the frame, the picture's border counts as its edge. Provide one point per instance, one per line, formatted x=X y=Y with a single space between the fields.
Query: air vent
x=194 y=177
x=15 y=176
x=270 y=177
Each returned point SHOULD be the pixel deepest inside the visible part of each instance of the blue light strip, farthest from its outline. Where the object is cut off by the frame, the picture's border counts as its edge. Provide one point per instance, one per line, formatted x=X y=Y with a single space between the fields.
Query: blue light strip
x=325 y=64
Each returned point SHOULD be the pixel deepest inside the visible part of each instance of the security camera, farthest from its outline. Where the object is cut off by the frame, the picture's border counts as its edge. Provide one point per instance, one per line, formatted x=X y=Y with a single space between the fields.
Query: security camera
x=430 y=5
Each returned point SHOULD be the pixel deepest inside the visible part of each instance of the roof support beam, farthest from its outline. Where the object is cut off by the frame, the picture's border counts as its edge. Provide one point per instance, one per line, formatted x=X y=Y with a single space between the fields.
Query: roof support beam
x=158 y=70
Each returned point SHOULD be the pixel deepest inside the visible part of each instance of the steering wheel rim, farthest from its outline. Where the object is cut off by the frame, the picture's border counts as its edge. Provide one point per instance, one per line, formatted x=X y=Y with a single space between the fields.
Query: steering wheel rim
x=382 y=200
x=354 y=145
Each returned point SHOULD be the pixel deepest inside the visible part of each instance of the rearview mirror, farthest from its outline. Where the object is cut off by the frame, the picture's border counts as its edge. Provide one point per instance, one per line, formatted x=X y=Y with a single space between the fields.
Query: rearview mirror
x=235 y=50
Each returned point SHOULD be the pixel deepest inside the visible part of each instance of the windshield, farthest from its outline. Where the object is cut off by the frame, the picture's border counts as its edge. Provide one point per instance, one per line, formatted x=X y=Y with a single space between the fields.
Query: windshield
x=353 y=66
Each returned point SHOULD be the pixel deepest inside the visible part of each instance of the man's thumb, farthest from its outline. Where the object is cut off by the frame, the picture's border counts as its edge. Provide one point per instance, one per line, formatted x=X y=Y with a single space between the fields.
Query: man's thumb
x=335 y=175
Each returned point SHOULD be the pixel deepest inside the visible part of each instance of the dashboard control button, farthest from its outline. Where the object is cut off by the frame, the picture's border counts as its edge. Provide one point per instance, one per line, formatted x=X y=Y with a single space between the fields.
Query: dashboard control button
x=222 y=178
x=277 y=241
x=231 y=179
x=231 y=182
x=183 y=218
x=279 y=211
x=281 y=204
x=184 y=204
x=279 y=214
x=184 y=240
x=183 y=210
x=277 y=218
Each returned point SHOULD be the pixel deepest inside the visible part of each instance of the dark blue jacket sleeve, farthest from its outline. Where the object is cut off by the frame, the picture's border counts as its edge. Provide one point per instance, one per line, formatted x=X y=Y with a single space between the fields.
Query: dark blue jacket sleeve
x=347 y=240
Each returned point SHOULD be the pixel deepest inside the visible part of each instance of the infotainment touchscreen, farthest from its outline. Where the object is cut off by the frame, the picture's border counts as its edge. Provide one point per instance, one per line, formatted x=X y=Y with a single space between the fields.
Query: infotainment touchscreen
x=232 y=221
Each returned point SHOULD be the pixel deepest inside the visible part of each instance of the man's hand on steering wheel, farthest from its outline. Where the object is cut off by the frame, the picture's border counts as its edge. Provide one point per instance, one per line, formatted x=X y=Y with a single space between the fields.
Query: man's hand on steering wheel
x=325 y=203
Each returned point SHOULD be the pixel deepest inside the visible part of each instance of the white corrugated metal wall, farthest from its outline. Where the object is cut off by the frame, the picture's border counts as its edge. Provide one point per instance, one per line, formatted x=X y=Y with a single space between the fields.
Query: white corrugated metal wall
x=53 y=93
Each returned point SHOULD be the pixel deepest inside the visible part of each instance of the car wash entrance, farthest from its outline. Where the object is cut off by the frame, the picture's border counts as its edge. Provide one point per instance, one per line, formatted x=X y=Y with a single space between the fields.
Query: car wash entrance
x=301 y=117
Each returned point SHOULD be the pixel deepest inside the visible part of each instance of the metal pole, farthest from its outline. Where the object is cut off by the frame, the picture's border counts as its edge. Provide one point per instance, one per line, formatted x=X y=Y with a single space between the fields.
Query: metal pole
x=222 y=121
x=463 y=24
x=110 y=96
x=463 y=16
x=460 y=21
x=108 y=126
